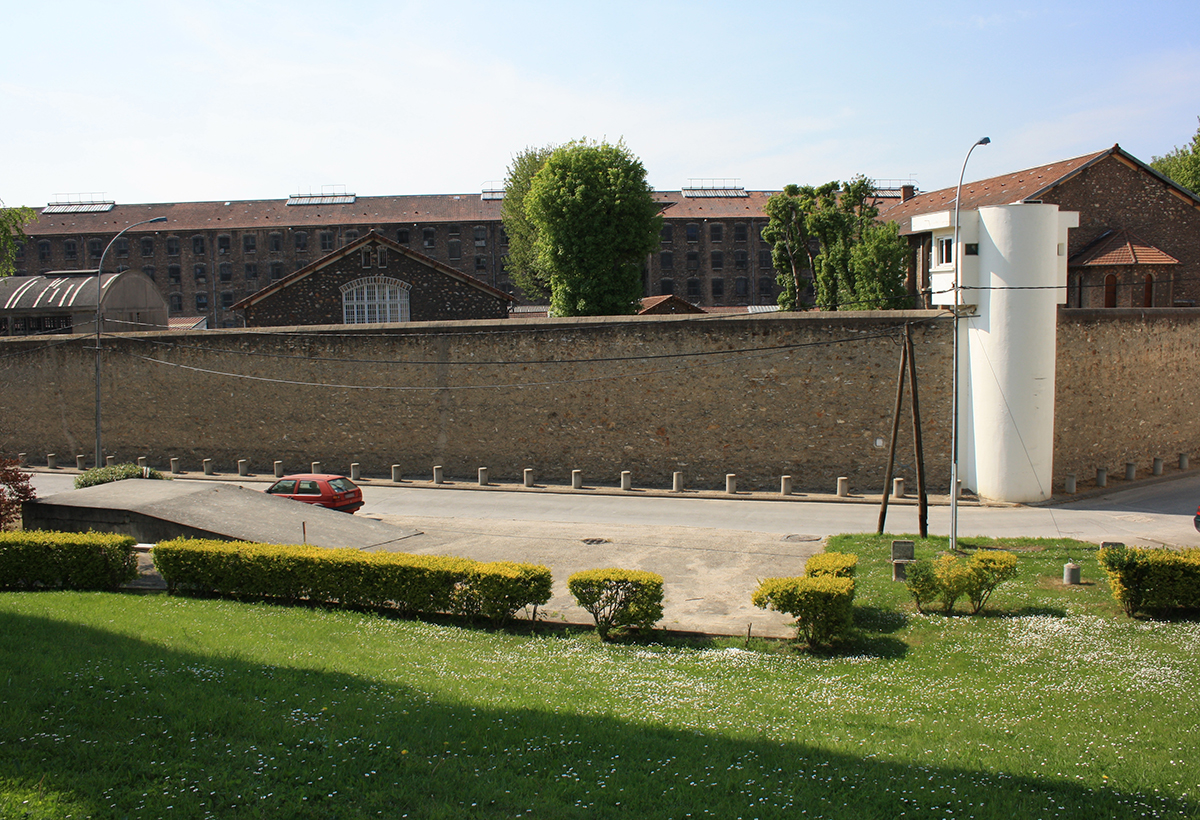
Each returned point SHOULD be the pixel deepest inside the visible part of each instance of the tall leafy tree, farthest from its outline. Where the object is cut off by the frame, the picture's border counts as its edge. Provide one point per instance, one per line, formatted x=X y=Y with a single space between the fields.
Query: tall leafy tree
x=829 y=236
x=596 y=221
x=522 y=264
x=1182 y=165
x=12 y=235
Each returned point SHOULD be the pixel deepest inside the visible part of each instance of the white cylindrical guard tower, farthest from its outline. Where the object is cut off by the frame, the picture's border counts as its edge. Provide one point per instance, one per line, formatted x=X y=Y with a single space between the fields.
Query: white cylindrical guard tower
x=1011 y=345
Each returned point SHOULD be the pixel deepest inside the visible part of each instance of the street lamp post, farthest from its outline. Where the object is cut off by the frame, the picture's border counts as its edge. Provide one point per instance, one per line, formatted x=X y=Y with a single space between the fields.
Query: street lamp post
x=954 y=378
x=99 y=296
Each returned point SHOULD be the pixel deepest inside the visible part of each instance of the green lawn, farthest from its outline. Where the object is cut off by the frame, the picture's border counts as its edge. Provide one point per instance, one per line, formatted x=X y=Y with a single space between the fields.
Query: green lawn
x=1051 y=704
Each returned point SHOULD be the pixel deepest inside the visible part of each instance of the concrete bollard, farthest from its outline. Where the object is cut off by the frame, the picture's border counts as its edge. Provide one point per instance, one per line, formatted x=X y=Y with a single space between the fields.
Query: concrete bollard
x=626 y=480
x=731 y=483
x=843 y=486
x=141 y=462
x=81 y=463
x=483 y=477
x=437 y=474
x=110 y=461
x=1101 y=477
x=1183 y=461
x=528 y=476
x=175 y=466
x=577 y=479
x=1158 y=467
x=898 y=487
x=243 y=466
x=785 y=485
x=354 y=470
x=316 y=467
x=279 y=469
x=396 y=474
x=208 y=466
x=1130 y=471
x=1069 y=484
x=676 y=482
x=1071 y=576
x=22 y=459
x=52 y=461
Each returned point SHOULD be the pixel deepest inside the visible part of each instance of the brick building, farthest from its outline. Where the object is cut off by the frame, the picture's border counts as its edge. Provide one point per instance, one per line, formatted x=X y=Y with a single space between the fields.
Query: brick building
x=1138 y=240
x=373 y=279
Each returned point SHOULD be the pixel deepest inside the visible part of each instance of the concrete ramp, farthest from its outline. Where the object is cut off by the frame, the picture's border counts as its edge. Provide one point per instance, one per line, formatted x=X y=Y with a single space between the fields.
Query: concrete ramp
x=152 y=511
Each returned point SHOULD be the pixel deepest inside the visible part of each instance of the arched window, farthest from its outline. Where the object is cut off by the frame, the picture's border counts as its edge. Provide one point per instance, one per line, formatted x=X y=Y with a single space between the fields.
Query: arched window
x=374 y=299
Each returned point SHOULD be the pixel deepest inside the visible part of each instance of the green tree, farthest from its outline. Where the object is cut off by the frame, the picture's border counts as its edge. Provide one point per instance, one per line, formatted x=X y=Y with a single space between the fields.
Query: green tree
x=1182 y=165
x=829 y=236
x=522 y=265
x=596 y=221
x=12 y=235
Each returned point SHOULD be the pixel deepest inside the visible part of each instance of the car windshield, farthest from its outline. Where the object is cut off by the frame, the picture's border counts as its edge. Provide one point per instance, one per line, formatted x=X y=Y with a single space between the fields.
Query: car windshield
x=342 y=485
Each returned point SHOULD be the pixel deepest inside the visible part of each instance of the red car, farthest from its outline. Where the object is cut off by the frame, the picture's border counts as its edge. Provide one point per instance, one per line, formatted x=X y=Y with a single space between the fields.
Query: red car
x=333 y=491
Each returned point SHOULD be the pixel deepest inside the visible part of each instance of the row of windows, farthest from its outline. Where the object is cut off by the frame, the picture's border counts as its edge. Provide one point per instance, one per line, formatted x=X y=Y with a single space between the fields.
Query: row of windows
x=716 y=232
x=224 y=272
x=175 y=301
x=666 y=260
x=741 y=287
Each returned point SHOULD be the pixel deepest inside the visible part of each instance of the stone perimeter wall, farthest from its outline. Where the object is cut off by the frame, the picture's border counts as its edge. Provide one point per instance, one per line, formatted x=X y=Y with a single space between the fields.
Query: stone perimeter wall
x=760 y=396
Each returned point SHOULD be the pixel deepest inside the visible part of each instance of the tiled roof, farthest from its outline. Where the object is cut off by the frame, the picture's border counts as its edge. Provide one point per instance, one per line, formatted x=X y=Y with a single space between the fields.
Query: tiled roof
x=187 y=322
x=668 y=304
x=1120 y=248
x=1001 y=190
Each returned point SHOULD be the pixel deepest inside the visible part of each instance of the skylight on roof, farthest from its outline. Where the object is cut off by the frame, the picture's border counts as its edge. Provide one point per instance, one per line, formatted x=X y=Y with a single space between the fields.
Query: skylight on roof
x=78 y=207
x=714 y=188
x=321 y=199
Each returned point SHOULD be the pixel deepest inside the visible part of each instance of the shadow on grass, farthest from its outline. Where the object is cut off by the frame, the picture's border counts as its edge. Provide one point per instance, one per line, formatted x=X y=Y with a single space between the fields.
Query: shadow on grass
x=105 y=725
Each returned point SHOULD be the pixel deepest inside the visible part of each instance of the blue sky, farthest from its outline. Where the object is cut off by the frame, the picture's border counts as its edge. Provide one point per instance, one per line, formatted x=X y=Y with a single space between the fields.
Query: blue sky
x=205 y=99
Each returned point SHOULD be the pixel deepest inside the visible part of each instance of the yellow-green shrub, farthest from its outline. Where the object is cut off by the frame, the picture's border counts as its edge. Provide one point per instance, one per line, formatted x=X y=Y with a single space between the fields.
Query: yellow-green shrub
x=822 y=606
x=33 y=559
x=948 y=578
x=835 y=564
x=619 y=597
x=410 y=583
x=1152 y=580
x=988 y=570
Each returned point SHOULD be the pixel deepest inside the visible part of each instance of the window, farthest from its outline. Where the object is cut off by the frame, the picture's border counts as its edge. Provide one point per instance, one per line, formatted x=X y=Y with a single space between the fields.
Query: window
x=429 y=237
x=716 y=232
x=349 y=236
x=740 y=234
x=19 y=252
x=198 y=245
x=172 y=246
x=95 y=248
x=402 y=236
x=503 y=237
x=275 y=242
x=148 y=270
x=249 y=243
x=454 y=249
x=174 y=274
x=480 y=236
x=452 y=229
x=666 y=287
x=223 y=243
x=44 y=250
x=276 y=271
x=693 y=232
x=251 y=271
x=375 y=299
x=147 y=246
x=481 y=263
x=764 y=258
x=69 y=250
x=225 y=272
x=718 y=260
x=300 y=240
x=741 y=286
x=666 y=234
x=972 y=249
x=226 y=299
x=766 y=286
x=176 y=302
x=666 y=260
x=693 y=288
x=718 y=288
x=739 y=259
x=202 y=301
x=121 y=247
x=370 y=254
x=693 y=260
x=945 y=251
x=326 y=240
x=201 y=274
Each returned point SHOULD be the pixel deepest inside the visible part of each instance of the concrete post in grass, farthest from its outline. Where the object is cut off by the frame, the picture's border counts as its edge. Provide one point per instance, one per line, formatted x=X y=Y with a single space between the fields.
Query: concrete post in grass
x=208 y=466
x=243 y=466
x=52 y=461
x=1101 y=477
x=396 y=476
x=626 y=480
x=81 y=463
x=731 y=483
x=1069 y=484
x=279 y=469
x=527 y=476
x=23 y=460
x=316 y=467
x=1183 y=461
x=141 y=462
x=676 y=482
x=175 y=465
x=1157 y=468
x=785 y=485
x=843 y=486
x=438 y=476
x=110 y=461
x=1130 y=471
x=577 y=479
x=483 y=476
x=898 y=487
x=355 y=469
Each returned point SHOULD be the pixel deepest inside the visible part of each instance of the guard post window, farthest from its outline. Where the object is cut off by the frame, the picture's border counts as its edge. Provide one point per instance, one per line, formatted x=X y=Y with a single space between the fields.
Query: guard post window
x=945 y=251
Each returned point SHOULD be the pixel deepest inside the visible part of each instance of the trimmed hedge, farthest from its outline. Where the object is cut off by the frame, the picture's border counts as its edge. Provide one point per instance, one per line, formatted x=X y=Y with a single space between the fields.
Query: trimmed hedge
x=947 y=578
x=619 y=597
x=823 y=606
x=1152 y=580
x=117 y=472
x=835 y=564
x=33 y=559
x=414 y=584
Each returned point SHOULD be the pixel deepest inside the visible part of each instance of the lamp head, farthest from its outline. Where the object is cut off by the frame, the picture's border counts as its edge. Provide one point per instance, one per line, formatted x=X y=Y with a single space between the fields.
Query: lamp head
x=984 y=141
x=164 y=219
